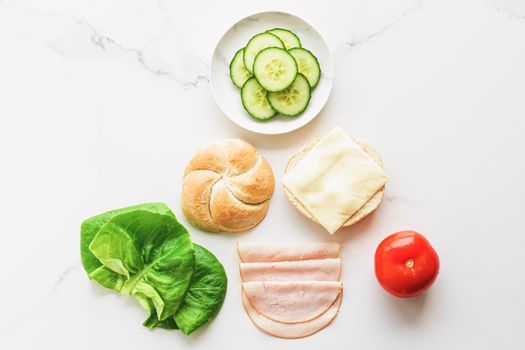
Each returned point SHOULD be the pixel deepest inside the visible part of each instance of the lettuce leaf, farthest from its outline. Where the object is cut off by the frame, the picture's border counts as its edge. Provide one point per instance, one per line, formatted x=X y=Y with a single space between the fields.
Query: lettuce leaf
x=141 y=251
x=90 y=227
x=108 y=278
x=203 y=299
x=206 y=293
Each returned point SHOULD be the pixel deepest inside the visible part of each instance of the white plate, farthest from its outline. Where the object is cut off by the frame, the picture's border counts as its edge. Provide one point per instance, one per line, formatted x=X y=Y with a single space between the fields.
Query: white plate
x=228 y=96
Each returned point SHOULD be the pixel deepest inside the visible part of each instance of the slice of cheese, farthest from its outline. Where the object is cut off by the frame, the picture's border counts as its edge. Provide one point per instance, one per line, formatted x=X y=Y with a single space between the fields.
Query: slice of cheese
x=335 y=179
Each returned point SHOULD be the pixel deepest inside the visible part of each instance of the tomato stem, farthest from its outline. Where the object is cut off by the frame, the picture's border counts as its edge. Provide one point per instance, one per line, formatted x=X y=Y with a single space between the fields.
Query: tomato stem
x=410 y=263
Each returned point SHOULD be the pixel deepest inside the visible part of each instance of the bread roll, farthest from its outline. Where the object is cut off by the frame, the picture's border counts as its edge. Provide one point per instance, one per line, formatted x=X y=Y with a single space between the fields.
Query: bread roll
x=227 y=187
x=366 y=209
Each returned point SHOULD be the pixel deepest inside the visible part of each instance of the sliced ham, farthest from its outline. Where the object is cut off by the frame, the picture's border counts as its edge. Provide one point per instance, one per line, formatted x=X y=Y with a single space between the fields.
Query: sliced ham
x=292 y=302
x=260 y=252
x=291 y=330
x=281 y=271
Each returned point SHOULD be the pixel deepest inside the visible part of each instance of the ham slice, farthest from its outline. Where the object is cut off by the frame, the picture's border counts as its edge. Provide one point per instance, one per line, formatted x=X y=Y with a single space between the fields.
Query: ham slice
x=307 y=270
x=257 y=252
x=292 y=302
x=291 y=330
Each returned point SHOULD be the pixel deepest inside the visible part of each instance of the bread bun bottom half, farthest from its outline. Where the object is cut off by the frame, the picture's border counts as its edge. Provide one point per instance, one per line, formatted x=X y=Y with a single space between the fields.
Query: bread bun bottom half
x=359 y=215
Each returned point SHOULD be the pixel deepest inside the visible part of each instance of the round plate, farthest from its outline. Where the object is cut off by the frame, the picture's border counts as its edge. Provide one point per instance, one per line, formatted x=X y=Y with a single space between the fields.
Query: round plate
x=228 y=96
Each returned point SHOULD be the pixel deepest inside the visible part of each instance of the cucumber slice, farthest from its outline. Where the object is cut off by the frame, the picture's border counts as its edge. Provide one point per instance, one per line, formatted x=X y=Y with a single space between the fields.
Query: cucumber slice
x=275 y=69
x=257 y=44
x=289 y=39
x=294 y=99
x=255 y=101
x=238 y=73
x=307 y=64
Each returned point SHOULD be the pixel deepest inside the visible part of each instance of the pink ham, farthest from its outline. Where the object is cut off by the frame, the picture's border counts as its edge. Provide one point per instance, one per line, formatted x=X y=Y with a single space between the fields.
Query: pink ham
x=257 y=252
x=292 y=302
x=307 y=270
x=291 y=330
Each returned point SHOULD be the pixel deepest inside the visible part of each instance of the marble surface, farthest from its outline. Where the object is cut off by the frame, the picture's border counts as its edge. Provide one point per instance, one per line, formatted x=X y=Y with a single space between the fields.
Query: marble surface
x=103 y=102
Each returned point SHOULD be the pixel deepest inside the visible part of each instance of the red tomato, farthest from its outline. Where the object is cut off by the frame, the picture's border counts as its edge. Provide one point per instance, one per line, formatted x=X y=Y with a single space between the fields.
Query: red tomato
x=406 y=265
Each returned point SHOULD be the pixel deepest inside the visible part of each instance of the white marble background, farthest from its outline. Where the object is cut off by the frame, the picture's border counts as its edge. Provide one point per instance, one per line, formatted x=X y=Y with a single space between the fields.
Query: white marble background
x=102 y=102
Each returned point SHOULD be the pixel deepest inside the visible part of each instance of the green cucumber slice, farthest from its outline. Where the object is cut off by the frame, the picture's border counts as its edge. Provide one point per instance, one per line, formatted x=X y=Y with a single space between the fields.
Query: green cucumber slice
x=307 y=65
x=255 y=101
x=257 y=44
x=275 y=69
x=238 y=72
x=294 y=100
x=289 y=39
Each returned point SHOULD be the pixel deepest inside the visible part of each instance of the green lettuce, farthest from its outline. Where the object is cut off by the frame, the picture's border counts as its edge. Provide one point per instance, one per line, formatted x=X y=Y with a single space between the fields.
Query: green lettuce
x=155 y=254
x=144 y=252
x=90 y=227
x=204 y=297
x=206 y=293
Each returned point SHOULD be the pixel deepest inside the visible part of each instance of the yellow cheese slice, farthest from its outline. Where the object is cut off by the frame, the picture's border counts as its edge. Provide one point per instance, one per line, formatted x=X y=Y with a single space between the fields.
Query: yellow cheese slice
x=335 y=179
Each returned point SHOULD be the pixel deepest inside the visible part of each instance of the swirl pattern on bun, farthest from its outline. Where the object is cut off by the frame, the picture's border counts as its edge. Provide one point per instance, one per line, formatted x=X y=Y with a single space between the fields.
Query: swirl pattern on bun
x=227 y=187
